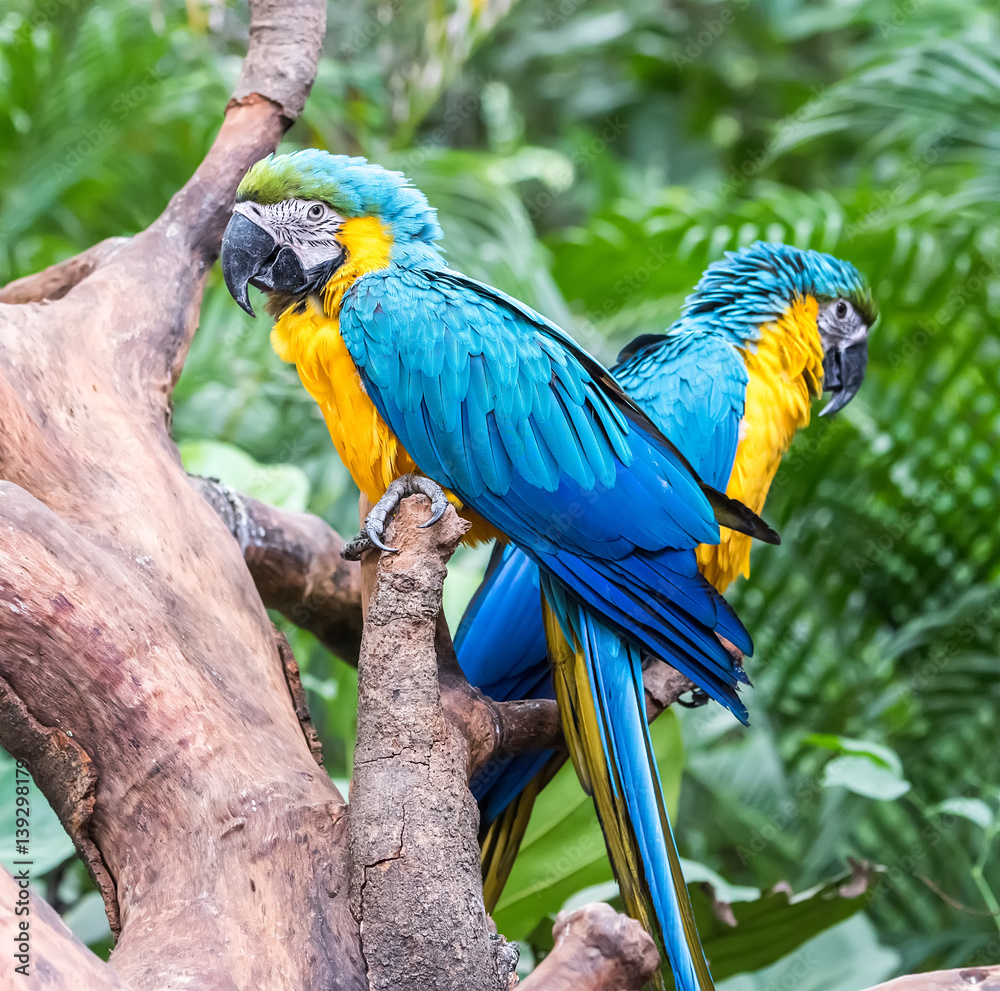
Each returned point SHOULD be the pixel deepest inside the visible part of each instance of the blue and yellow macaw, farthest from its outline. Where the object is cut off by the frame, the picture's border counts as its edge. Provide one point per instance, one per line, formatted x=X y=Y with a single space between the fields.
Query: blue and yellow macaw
x=766 y=330
x=428 y=379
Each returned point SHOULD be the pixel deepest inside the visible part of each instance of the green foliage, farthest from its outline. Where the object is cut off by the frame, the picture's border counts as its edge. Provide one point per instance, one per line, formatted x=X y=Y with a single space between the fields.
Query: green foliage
x=757 y=933
x=592 y=158
x=284 y=486
x=846 y=956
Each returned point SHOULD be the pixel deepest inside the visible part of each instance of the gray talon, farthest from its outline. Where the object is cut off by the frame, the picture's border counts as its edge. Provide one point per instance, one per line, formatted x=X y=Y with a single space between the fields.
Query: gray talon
x=375 y=536
x=399 y=489
x=439 y=503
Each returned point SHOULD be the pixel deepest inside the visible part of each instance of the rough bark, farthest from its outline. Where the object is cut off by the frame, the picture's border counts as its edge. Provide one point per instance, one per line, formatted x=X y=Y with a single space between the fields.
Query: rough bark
x=596 y=949
x=143 y=682
x=413 y=821
x=295 y=562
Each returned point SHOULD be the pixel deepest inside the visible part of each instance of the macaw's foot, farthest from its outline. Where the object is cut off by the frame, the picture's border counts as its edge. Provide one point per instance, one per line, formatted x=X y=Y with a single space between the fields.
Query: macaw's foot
x=374 y=528
x=696 y=698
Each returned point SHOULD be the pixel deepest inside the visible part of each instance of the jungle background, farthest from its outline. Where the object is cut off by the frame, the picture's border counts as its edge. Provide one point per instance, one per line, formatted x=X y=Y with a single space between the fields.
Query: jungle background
x=592 y=157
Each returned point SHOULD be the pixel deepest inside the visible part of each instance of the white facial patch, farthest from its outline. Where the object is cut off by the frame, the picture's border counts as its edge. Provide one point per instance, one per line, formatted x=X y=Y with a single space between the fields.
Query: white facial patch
x=314 y=240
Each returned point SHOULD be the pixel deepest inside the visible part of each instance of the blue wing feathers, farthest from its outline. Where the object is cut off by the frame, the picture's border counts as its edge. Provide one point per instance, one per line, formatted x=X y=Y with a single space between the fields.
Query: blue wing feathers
x=670 y=377
x=567 y=477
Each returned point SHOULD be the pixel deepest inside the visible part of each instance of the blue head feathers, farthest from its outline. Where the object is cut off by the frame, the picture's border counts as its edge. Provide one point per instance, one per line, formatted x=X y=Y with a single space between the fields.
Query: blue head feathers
x=755 y=285
x=352 y=186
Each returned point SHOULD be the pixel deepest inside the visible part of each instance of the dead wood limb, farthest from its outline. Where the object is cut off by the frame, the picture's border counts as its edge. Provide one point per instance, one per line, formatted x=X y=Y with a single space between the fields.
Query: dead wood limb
x=207 y=797
x=293 y=680
x=596 y=949
x=960 y=979
x=57 y=280
x=664 y=686
x=415 y=884
x=68 y=964
x=145 y=687
x=494 y=730
x=295 y=562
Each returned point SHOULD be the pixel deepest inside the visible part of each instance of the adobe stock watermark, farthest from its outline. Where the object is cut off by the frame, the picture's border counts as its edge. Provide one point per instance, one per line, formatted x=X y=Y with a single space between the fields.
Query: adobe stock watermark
x=912 y=169
x=901 y=13
x=363 y=35
x=959 y=296
x=612 y=128
x=712 y=28
x=758 y=159
x=95 y=137
x=456 y=113
x=22 y=869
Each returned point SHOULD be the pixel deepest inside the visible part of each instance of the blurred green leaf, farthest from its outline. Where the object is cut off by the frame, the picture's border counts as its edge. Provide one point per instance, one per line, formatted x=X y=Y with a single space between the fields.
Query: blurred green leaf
x=48 y=843
x=864 y=776
x=697 y=875
x=772 y=925
x=88 y=920
x=846 y=956
x=877 y=752
x=973 y=809
x=284 y=486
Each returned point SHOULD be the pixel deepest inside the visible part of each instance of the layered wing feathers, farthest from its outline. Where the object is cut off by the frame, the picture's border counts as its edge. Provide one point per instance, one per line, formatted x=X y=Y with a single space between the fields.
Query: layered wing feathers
x=538 y=438
x=539 y=435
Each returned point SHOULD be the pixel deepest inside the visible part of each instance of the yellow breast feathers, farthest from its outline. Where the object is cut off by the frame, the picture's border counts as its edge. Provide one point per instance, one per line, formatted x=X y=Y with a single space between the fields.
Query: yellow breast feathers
x=786 y=374
x=310 y=338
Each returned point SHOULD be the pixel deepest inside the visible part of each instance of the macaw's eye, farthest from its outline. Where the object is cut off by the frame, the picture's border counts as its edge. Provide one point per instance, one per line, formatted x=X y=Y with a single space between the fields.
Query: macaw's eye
x=316 y=211
x=841 y=309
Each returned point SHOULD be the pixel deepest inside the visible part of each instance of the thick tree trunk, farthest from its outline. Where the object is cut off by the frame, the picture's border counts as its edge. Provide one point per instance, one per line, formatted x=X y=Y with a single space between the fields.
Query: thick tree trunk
x=140 y=677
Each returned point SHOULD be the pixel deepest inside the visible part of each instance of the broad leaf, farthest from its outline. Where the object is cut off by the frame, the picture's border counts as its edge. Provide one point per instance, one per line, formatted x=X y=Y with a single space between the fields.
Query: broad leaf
x=773 y=925
x=864 y=776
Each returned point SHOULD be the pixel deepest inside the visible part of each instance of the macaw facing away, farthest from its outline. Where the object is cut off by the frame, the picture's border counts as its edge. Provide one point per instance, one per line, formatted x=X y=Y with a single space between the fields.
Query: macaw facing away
x=418 y=369
x=766 y=330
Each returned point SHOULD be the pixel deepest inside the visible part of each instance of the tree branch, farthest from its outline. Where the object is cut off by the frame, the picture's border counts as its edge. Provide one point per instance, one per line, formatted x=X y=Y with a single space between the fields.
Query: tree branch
x=295 y=562
x=143 y=682
x=960 y=979
x=57 y=280
x=413 y=821
x=596 y=949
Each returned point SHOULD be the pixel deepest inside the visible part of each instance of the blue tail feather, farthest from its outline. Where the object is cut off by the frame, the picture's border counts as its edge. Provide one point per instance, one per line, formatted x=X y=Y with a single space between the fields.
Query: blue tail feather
x=616 y=692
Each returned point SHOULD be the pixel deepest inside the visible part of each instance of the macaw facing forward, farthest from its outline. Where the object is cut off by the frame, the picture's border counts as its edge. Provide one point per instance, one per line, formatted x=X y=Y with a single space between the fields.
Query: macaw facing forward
x=765 y=331
x=419 y=369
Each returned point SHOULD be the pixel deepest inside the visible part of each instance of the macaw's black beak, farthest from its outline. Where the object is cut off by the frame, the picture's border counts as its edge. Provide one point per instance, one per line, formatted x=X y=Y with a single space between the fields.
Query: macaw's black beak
x=250 y=256
x=843 y=373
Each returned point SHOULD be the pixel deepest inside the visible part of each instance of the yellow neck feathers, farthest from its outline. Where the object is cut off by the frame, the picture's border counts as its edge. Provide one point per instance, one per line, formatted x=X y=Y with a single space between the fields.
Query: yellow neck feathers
x=786 y=374
x=309 y=336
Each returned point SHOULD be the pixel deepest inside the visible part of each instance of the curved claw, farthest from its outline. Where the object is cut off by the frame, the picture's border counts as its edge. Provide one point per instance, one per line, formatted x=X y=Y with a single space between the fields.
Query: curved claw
x=375 y=536
x=434 y=492
x=374 y=526
x=439 y=509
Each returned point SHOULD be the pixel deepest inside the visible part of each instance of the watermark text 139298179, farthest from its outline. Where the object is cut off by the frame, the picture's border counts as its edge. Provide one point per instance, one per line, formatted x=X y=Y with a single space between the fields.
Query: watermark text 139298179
x=22 y=869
